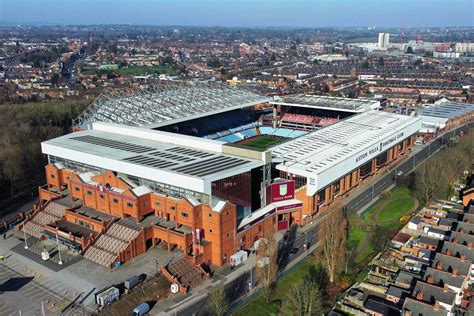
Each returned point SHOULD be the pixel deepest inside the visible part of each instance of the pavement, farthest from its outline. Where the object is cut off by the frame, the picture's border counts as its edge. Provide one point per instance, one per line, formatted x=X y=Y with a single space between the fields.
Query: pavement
x=27 y=281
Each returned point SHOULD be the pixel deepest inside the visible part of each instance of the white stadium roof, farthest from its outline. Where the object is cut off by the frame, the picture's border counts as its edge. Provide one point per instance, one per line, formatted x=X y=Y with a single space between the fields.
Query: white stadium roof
x=327 y=103
x=166 y=104
x=172 y=159
x=330 y=153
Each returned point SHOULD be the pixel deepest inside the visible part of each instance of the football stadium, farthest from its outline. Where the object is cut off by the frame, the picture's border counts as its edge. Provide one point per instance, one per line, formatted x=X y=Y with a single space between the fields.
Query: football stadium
x=208 y=169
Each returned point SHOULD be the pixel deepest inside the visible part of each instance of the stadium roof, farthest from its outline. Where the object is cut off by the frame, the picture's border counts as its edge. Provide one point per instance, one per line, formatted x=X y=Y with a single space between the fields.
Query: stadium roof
x=447 y=110
x=154 y=155
x=327 y=103
x=166 y=104
x=330 y=153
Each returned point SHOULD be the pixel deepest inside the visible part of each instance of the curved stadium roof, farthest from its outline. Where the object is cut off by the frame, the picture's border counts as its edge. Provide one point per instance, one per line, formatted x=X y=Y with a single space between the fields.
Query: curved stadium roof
x=166 y=104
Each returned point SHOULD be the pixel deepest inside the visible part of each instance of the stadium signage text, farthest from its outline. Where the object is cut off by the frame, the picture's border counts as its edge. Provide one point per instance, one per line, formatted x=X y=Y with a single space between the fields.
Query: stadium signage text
x=281 y=191
x=379 y=147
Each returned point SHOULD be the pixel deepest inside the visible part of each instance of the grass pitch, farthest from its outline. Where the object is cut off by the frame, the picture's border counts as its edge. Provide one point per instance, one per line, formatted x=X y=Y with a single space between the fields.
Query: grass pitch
x=263 y=142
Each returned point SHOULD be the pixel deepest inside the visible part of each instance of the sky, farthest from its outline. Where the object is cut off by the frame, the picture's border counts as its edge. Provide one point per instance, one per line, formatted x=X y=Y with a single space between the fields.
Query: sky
x=231 y=13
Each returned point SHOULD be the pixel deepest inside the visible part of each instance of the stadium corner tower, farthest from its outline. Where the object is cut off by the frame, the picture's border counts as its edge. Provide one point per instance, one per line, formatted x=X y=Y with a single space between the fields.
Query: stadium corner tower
x=208 y=168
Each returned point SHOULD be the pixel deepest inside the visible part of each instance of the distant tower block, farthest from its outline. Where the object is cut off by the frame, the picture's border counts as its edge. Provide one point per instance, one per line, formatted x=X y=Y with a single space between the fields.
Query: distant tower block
x=384 y=39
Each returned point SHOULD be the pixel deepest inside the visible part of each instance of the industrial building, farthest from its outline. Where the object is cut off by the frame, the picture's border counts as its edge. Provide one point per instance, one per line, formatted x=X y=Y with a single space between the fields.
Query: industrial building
x=208 y=169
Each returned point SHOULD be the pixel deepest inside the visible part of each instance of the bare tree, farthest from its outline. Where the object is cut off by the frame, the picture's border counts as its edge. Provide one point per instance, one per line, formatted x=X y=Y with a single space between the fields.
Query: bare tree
x=332 y=235
x=267 y=266
x=304 y=298
x=217 y=304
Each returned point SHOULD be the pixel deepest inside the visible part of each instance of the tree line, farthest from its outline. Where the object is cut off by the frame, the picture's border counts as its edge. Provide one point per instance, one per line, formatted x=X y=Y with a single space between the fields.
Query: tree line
x=22 y=129
x=435 y=177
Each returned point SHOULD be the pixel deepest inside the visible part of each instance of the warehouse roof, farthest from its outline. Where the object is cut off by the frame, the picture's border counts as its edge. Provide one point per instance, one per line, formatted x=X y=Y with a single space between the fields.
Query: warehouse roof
x=152 y=155
x=166 y=104
x=333 y=151
x=328 y=103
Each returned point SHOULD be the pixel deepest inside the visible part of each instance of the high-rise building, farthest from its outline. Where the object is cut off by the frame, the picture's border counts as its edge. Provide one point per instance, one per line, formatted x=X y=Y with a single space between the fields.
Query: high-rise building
x=384 y=39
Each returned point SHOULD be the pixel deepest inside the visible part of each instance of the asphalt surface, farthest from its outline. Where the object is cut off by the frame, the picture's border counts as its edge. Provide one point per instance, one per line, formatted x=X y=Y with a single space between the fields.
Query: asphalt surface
x=240 y=286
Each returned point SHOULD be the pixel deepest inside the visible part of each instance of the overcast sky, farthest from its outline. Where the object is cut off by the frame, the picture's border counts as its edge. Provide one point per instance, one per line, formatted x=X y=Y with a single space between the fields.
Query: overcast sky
x=405 y=13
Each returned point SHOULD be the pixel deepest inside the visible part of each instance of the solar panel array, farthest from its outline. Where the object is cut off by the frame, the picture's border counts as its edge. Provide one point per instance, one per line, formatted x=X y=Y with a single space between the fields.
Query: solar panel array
x=206 y=167
x=447 y=110
x=115 y=144
x=183 y=160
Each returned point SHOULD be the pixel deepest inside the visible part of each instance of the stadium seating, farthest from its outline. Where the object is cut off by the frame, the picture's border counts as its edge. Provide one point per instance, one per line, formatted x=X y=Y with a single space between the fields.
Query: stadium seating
x=110 y=244
x=51 y=213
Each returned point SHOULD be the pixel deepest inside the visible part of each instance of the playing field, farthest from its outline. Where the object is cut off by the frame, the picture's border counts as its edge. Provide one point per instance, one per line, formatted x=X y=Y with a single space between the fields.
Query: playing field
x=262 y=142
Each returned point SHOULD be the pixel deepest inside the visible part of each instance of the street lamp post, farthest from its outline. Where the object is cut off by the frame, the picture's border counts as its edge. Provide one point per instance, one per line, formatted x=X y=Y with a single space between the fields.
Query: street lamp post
x=59 y=251
x=24 y=234
x=251 y=280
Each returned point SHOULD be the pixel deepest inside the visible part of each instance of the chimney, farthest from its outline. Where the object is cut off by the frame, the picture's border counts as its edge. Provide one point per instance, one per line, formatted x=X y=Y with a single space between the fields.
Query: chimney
x=430 y=279
x=455 y=271
x=436 y=306
x=439 y=265
x=470 y=245
x=463 y=257
x=445 y=288
x=419 y=295
x=448 y=252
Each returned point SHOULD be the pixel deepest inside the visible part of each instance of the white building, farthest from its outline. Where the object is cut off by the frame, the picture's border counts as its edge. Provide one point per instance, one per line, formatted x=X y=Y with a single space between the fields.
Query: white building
x=384 y=40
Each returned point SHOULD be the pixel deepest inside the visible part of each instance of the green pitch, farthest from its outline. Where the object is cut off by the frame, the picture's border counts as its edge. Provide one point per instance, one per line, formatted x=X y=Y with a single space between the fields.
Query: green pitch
x=263 y=142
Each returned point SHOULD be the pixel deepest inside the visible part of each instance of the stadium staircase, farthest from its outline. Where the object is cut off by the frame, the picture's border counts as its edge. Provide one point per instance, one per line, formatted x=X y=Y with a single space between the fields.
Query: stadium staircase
x=110 y=244
x=184 y=272
x=48 y=214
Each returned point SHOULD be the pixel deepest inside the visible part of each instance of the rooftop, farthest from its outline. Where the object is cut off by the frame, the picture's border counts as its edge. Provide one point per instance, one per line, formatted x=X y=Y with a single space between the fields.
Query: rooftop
x=420 y=308
x=447 y=110
x=148 y=154
x=345 y=145
x=327 y=103
x=166 y=104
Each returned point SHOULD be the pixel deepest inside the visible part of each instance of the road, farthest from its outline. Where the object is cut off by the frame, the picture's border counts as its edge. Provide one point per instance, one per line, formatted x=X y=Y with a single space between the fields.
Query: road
x=239 y=287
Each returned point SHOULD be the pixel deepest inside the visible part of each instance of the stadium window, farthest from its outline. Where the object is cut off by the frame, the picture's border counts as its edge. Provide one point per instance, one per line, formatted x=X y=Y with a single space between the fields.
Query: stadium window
x=184 y=214
x=337 y=187
x=228 y=235
x=210 y=215
x=89 y=192
x=77 y=189
x=145 y=204
x=101 y=196
x=81 y=223
x=92 y=227
x=210 y=230
x=322 y=196
x=157 y=203
x=173 y=208
x=52 y=176
x=115 y=200
x=260 y=228
x=129 y=204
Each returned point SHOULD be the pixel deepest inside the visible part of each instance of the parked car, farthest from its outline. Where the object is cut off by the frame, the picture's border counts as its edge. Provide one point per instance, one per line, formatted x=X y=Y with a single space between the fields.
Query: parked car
x=141 y=310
